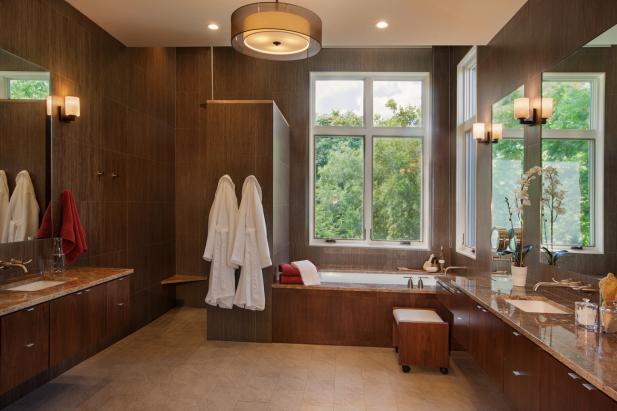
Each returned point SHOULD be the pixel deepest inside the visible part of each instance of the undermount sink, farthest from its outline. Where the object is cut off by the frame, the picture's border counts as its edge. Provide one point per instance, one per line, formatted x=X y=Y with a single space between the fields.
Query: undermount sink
x=36 y=285
x=536 y=306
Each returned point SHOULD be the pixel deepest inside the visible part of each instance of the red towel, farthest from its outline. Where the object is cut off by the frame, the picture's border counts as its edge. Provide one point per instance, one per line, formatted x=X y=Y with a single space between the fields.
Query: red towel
x=289 y=270
x=71 y=231
x=290 y=279
x=45 y=228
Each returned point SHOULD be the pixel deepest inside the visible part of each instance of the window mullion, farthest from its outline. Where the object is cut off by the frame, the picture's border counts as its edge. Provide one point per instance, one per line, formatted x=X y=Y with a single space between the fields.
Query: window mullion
x=368 y=158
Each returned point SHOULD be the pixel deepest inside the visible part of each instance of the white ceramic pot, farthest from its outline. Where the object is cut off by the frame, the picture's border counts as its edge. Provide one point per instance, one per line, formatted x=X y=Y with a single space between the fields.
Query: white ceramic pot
x=519 y=276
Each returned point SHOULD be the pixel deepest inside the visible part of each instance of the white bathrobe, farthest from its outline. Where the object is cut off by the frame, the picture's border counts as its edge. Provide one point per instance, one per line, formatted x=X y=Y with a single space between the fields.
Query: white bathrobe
x=250 y=249
x=23 y=211
x=4 y=204
x=221 y=227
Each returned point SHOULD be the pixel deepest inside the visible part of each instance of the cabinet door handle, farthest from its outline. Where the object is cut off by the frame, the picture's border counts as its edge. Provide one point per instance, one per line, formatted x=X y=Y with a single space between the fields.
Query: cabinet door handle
x=519 y=373
x=87 y=290
x=574 y=376
x=121 y=279
x=120 y=304
x=30 y=309
x=589 y=387
x=29 y=345
x=483 y=310
x=459 y=318
x=79 y=293
x=514 y=333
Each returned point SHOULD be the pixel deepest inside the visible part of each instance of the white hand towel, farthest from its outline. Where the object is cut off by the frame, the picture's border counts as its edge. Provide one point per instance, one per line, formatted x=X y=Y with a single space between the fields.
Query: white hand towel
x=308 y=272
x=4 y=205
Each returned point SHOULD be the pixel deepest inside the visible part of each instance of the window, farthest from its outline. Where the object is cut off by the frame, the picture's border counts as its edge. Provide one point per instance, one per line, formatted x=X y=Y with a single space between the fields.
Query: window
x=369 y=157
x=22 y=85
x=508 y=162
x=466 y=156
x=572 y=143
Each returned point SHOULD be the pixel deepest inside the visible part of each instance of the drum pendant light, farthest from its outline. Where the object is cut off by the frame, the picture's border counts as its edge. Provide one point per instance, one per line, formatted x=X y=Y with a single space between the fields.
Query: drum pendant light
x=276 y=31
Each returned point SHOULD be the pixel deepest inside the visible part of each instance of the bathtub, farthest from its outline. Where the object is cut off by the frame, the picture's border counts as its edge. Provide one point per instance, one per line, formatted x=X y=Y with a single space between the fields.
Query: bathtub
x=377 y=278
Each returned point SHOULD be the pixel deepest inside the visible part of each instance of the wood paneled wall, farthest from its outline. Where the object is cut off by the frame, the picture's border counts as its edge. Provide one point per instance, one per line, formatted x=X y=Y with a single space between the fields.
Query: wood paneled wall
x=540 y=35
x=287 y=83
x=126 y=128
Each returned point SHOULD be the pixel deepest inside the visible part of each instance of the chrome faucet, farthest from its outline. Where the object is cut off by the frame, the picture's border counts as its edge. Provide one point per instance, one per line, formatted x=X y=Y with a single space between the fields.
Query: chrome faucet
x=567 y=283
x=409 y=281
x=14 y=263
x=453 y=267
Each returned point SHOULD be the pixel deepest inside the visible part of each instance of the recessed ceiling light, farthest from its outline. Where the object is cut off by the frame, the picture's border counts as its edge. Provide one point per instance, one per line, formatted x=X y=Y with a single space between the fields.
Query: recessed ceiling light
x=382 y=24
x=213 y=26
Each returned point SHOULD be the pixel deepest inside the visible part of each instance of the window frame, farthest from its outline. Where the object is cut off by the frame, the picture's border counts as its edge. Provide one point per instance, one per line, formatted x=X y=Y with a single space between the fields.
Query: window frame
x=596 y=135
x=368 y=131
x=7 y=76
x=466 y=108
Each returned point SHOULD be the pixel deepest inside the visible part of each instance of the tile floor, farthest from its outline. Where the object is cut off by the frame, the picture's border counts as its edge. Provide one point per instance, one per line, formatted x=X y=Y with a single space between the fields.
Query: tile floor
x=168 y=365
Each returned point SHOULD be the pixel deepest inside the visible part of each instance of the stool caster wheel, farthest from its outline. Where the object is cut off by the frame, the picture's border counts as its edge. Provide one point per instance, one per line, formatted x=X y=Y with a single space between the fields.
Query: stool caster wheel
x=406 y=368
x=444 y=370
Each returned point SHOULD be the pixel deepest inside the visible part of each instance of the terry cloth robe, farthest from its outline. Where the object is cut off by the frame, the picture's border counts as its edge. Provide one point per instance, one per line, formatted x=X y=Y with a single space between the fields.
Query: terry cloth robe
x=4 y=204
x=250 y=250
x=23 y=210
x=221 y=226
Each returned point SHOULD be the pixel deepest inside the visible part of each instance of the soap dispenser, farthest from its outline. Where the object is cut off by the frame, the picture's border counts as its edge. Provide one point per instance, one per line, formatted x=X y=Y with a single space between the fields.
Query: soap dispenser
x=57 y=256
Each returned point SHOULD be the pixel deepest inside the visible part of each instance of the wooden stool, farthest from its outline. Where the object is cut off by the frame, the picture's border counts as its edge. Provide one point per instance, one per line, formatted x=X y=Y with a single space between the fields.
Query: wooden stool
x=420 y=337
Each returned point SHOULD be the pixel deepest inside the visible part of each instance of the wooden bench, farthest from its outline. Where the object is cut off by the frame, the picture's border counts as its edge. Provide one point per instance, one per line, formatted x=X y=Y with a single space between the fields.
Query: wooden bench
x=420 y=337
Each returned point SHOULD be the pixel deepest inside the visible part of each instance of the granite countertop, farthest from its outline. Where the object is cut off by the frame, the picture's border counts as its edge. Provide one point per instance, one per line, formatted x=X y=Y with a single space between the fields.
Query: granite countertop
x=77 y=279
x=361 y=287
x=592 y=355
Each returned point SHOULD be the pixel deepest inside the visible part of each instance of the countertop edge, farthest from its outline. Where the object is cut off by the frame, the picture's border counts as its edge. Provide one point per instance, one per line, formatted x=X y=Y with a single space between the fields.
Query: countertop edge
x=122 y=272
x=558 y=356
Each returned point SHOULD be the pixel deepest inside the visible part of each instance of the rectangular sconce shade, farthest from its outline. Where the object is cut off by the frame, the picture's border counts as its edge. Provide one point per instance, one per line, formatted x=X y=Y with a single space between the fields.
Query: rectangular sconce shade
x=49 y=105
x=497 y=132
x=71 y=106
x=521 y=107
x=478 y=131
x=547 y=107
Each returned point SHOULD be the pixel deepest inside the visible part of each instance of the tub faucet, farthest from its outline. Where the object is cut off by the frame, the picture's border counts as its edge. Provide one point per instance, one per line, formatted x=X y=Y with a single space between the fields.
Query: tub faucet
x=409 y=281
x=453 y=268
x=14 y=263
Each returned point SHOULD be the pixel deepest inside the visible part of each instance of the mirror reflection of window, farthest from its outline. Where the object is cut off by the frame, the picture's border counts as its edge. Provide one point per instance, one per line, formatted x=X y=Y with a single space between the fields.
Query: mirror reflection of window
x=571 y=140
x=507 y=164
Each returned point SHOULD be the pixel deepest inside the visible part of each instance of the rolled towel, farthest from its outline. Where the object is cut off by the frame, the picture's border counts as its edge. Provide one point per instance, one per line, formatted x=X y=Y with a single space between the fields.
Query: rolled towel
x=288 y=269
x=308 y=272
x=290 y=279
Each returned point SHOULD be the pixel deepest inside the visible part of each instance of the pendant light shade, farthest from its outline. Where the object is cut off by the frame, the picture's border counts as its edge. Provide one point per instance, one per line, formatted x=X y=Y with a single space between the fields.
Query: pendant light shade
x=276 y=31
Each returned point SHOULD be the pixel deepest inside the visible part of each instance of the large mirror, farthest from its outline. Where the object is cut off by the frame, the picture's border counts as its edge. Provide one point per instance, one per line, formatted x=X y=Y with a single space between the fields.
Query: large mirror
x=508 y=159
x=579 y=196
x=25 y=142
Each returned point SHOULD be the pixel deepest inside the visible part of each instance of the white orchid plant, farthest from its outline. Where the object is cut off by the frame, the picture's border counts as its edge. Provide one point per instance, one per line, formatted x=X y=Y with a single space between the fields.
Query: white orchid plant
x=552 y=207
x=521 y=198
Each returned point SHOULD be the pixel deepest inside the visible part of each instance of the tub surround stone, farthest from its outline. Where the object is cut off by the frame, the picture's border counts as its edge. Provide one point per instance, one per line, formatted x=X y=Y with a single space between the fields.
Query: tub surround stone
x=79 y=278
x=591 y=355
x=361 y=287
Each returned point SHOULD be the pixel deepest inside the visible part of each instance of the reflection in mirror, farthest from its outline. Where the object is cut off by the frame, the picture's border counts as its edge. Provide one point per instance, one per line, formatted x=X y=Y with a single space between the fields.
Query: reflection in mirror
x=24 y=148
x=574 y=207
x=507 y=168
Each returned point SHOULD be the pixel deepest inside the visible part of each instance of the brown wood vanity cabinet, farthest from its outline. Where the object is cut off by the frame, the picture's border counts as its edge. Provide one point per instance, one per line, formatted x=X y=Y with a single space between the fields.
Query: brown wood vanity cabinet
x=521 y=371
x=118 y=307
x=486 y=343
x=563 y=389
x=24 y=345
x=77 y=324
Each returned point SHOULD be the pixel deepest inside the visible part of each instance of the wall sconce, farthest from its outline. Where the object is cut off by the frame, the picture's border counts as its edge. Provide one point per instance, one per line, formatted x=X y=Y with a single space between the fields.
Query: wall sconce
x=71 y=109
x=481 y=135
x=49 y=103
x=522 y=111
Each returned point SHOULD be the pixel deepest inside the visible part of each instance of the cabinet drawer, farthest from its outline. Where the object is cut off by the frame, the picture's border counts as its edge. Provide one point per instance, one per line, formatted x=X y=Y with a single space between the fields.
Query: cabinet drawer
x=65 y=339
x=24 y=345
x=118 y=307
x=521 y=371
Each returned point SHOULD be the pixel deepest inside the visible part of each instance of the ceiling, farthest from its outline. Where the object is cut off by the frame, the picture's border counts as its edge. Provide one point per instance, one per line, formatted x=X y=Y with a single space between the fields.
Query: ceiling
x=346 y=23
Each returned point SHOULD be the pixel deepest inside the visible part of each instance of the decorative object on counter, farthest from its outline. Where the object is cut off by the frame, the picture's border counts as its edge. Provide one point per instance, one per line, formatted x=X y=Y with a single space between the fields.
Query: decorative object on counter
x=516 y=247
x=586 y=314
x=430 y=265
x=72 y=232
x=250 y=248
x=308 y=272
x=57 y=256
x=442 y=260
x=608 y=290
x=552 y=208
x=608 y=319
x=501 y=283
x=221 y=226
x=289 y=275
